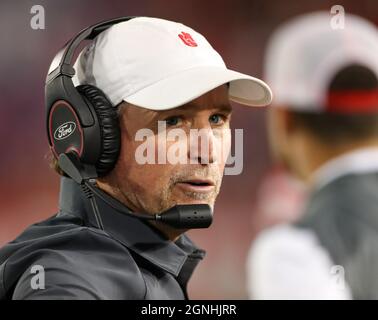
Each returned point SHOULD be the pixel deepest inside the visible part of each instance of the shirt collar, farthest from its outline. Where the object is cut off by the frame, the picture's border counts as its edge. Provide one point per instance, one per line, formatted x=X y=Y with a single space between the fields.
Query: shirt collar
x=360 y=161
x=134 y=233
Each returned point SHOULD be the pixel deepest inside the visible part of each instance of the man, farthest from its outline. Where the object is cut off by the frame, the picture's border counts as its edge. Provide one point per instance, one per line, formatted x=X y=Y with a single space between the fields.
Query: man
x=154 y=71
x=324 y=128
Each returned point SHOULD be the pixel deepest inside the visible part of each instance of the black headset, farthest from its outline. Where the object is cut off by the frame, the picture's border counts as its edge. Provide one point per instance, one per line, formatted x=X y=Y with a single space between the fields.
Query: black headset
x=81 y=119
x=84 y=135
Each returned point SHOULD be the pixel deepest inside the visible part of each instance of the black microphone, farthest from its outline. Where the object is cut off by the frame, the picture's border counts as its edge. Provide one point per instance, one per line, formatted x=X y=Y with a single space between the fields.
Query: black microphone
x=187 y=216
x=183 y=216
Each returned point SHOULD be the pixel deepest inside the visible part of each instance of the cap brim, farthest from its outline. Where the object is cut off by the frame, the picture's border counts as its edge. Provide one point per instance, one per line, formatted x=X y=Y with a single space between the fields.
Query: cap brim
x=183 y=87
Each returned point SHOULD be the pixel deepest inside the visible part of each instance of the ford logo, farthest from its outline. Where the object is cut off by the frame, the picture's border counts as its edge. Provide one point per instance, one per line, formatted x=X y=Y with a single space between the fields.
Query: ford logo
x=64 y=130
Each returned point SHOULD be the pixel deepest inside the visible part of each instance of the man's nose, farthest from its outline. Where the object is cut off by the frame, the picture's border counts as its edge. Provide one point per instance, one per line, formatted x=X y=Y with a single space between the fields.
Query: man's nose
x=202 y=146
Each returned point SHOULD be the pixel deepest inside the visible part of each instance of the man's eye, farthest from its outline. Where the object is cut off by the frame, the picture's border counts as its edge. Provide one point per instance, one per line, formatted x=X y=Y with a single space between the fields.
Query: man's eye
x=217 y=119
x=173 y=121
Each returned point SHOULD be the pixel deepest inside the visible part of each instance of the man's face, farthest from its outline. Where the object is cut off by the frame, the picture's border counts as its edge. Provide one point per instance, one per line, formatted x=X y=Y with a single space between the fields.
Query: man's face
x=156 y=187
x=277 y=135
x=286 y=140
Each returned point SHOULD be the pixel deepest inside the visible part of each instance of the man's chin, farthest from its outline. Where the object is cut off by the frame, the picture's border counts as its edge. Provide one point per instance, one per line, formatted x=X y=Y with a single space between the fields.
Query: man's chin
x=183 y=197
x=189 y=201
x=194 y=198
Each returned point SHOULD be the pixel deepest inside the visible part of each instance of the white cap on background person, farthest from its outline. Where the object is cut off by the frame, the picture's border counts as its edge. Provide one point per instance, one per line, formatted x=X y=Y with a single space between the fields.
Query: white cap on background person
x=159 y=64
x=306 y=53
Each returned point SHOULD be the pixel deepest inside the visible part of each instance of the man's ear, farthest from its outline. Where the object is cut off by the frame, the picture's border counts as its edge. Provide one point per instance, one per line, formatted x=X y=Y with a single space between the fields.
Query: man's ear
x=287 y=120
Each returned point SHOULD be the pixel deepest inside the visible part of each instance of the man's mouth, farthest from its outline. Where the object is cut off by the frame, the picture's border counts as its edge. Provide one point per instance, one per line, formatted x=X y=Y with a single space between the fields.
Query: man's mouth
x=197 y=185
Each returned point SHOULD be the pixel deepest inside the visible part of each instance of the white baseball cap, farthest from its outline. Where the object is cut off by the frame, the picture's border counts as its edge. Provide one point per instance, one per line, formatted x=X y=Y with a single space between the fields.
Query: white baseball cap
x=159 y=64
x=306 y=53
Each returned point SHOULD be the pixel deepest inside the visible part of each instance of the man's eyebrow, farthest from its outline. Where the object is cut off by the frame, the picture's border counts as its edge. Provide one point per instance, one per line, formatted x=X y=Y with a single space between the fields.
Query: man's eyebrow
x=224 y=107
x=227 y=108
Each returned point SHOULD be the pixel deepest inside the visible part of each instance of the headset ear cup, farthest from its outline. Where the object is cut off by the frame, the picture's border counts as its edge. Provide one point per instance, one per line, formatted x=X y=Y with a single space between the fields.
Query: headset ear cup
x=109 y=127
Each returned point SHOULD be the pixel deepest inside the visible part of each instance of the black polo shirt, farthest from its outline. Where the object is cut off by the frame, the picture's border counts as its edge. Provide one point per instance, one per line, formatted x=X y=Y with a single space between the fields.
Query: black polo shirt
x=129 y=259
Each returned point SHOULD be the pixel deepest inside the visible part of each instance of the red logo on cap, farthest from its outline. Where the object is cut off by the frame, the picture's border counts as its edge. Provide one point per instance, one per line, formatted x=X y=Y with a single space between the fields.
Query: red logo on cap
x=187 y=39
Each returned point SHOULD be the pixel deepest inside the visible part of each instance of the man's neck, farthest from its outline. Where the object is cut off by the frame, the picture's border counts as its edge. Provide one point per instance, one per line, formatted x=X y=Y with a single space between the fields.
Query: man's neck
x=318 y=159
x=169 y=232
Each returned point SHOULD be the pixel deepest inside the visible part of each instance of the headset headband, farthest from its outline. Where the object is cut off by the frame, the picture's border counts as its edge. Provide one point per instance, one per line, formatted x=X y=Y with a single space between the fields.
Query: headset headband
x=74 y=107
x=62 y=62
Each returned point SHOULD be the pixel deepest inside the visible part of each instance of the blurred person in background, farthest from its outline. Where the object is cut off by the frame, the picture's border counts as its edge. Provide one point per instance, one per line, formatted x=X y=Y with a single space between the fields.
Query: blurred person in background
x=323 y=128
